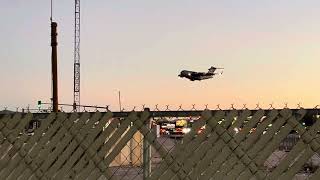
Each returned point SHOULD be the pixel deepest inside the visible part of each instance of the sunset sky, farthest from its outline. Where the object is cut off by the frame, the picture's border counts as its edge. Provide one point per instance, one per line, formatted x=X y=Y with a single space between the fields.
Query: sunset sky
x=270 y=50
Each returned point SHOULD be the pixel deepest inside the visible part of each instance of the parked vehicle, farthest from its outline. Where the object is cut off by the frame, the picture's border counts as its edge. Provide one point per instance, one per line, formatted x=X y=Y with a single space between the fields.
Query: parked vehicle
x=182 y=127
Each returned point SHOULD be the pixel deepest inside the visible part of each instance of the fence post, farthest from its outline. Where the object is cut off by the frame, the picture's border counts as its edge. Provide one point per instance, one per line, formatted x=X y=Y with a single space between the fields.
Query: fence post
x=147 y=151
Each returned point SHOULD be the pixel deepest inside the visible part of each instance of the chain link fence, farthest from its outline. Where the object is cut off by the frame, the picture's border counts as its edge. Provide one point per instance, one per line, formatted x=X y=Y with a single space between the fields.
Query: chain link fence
x=194 y=144
x=47 y=108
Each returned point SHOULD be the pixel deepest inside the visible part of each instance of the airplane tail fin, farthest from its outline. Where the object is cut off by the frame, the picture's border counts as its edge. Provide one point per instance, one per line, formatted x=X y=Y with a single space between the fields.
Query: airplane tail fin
x=212 y=69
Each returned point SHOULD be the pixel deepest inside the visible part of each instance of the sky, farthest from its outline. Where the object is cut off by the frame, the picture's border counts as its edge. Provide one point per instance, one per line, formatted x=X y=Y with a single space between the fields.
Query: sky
x=270 y=50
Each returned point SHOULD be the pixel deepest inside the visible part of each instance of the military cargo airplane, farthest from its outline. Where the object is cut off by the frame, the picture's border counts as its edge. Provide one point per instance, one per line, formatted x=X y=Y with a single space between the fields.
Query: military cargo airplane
x=191 y=75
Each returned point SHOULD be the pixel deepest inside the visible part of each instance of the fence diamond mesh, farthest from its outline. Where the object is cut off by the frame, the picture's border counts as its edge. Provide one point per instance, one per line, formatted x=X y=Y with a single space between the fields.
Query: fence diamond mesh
x=219 y=144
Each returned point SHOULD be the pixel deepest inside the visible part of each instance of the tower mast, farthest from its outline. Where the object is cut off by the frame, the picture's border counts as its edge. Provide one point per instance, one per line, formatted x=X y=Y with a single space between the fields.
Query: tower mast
x=76 y=77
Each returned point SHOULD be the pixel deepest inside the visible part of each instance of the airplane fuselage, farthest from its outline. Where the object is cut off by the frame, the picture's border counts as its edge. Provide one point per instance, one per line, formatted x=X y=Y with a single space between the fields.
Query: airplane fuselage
x=195 y=75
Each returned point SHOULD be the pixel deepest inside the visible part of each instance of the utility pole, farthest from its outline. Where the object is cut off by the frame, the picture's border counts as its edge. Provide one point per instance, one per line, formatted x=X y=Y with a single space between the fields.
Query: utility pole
x=54 y=66
x=119 y=100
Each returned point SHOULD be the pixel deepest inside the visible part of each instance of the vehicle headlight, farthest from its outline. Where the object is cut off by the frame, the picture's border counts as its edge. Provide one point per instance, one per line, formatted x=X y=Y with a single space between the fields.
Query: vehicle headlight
x=236 y=130
x=186 y=130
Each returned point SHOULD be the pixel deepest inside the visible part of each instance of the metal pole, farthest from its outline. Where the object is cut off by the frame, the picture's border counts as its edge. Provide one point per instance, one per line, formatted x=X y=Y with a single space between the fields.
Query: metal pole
x=51 y=11
x=119 y=101
x=147 y=152
x=76 y=66
x=54 y=65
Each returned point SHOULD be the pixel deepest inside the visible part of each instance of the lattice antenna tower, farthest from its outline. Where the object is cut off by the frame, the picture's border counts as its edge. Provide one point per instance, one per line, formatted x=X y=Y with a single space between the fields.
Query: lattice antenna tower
x=76 y=77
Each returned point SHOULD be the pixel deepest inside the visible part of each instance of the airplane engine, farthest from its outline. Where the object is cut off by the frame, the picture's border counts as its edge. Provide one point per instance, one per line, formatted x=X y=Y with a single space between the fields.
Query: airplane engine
x=185 y=74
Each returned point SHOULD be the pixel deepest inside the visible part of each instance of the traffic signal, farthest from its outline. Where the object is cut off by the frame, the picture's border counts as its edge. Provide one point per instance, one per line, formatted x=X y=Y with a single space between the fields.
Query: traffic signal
x=39 y=104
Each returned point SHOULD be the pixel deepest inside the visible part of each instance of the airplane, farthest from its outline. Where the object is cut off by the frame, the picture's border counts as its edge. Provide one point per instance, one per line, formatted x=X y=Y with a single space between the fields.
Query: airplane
x=191 y=75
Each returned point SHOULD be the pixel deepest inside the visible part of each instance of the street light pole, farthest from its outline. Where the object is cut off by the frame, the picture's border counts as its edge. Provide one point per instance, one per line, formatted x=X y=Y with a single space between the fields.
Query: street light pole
x=119 y=101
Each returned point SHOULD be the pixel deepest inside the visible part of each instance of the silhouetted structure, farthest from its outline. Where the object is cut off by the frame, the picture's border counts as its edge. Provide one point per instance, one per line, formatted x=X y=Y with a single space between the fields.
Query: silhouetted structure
x=54 y=63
